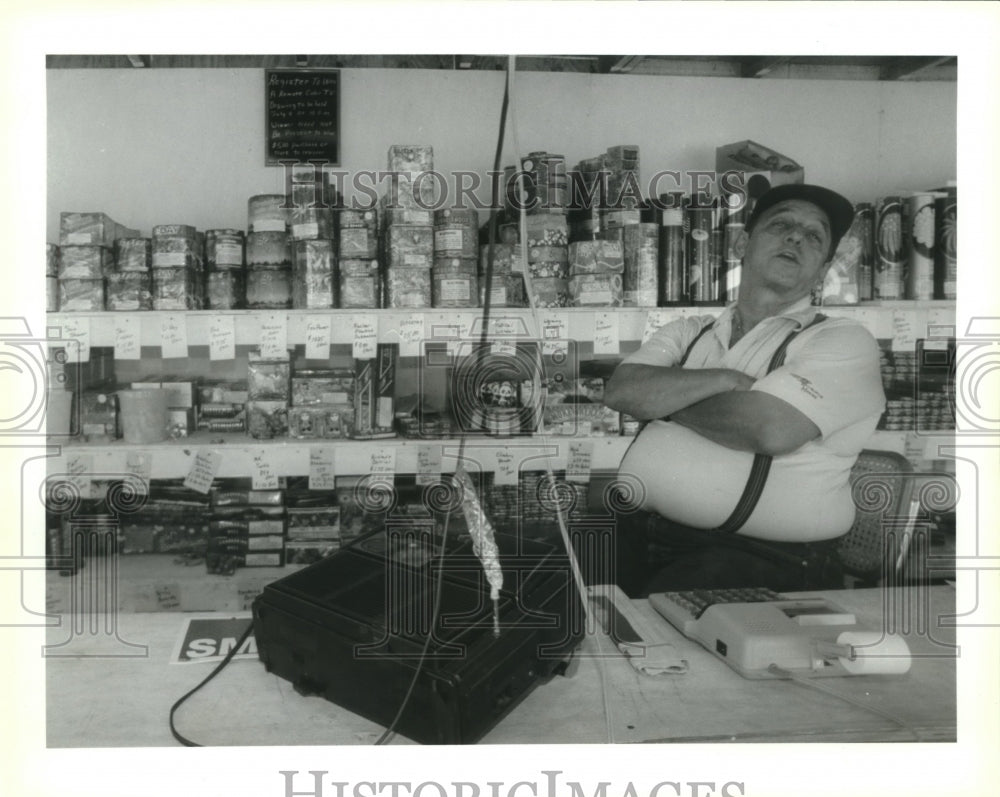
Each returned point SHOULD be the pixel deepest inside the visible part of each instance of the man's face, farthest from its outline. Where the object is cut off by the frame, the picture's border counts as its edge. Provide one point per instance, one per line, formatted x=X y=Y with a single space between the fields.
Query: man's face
x=788 y=251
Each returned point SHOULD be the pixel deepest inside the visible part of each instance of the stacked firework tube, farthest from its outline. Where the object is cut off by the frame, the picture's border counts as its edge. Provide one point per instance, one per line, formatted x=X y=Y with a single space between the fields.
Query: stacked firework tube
x=595 y=273
x=78 y=270
x=312 y=524
x=268 y=253
x=246 y=529
x=225 y=275
x=268 y=397
x=506 y=284
x=360 y=283
x=407 y=237
x=455 y=278
x=178 y=259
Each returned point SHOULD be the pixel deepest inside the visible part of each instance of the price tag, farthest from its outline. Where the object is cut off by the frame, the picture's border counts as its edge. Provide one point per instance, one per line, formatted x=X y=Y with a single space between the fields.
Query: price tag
x=264 y=475
x=913 y=447
x=274 y=337
x=411 y=336
x=322 y=474
x=382 y=461
x=904 y=335
x=555 y=334
x=318 y=337
x=365 y=341
x=76 y=333
x=78 y=470
x=428 y=464
x=127 y=331
x=503 y=348
x=456 y=331
x=140 y=464
x=506 y=327
x=202 y=472
x=173 y=336
x=222 y=338
x=505 y=467
x=578 y=460
x=654 y=320
x=940 y=327
x=606 y=334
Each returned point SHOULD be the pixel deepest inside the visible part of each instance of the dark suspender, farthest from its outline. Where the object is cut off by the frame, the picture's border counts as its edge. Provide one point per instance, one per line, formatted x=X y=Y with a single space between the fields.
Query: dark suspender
x=761 y=462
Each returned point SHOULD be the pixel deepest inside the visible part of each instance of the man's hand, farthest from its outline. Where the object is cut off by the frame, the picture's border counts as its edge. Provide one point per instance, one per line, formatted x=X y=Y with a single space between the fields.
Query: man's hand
x=653 y=391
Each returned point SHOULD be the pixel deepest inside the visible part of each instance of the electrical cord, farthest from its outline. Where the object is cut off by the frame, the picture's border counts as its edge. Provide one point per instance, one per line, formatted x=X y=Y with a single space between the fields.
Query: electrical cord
x=812 y=684
x=219 y=667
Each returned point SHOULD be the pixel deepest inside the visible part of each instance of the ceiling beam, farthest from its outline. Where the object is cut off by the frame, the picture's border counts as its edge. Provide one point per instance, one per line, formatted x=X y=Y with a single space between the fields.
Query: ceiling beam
x=760 y=67
x=905 y=68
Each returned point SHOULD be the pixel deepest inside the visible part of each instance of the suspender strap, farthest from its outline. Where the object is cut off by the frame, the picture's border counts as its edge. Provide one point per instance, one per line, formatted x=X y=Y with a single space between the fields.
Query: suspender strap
x=691 y=345
x=761 y=462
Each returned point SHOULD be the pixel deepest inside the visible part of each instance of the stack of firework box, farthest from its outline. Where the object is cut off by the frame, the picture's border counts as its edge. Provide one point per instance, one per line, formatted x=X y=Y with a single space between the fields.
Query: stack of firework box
x=312 y=523
x=246 y=528
x=408 y=228
x=455 y=282
x=595 y=273
x=178 y=261
x=268 y=397
x=84 y=261
x=172 y=520
x=222 y=407
x=268 y=253
x=313 y=227
x=225 y=274
x=360 y=281
x=322 y=404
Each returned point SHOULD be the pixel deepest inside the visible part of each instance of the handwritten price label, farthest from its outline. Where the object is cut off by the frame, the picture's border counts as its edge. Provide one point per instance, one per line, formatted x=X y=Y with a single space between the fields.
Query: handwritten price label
x=578 y=461
x=140 y=464
x=382 y=461
x=365 y=341
x=322 y=474
x=505 y=468
x=202 y=472
x=127 y=331
x=173 y=336
x=78 y=470
x=411 y=336
x=264 y=475
x=222 y=338
x=654 y=320
x=76 y=332
x=318 y=337
x=606 y=339
x=555 y=334
x=904 y=335
x=428 y=464
x=274 y=336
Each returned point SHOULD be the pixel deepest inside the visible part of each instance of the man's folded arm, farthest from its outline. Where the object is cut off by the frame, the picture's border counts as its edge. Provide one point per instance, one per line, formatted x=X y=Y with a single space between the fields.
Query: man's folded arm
x=655 y=391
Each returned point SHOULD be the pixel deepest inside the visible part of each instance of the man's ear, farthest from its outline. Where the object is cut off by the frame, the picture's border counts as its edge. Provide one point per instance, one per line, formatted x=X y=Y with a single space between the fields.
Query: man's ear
x=740 y=244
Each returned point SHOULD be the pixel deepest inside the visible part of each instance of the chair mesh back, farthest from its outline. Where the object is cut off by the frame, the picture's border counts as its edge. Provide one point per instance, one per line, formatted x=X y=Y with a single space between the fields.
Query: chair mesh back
x=880 y=488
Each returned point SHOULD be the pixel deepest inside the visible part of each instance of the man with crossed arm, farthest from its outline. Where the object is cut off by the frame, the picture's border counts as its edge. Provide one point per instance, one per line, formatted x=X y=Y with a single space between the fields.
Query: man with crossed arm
x=717 y=397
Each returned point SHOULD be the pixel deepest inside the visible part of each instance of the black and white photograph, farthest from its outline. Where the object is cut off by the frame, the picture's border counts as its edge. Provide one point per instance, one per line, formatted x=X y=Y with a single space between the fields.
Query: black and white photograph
x=562 y=398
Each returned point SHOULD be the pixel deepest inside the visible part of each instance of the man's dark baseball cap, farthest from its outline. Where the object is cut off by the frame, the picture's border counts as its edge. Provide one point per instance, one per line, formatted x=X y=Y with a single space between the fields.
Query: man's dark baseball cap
x=838 y=209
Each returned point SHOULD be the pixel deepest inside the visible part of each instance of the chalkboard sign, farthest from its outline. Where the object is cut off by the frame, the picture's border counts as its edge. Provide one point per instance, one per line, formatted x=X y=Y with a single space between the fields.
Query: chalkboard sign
x=302 y=115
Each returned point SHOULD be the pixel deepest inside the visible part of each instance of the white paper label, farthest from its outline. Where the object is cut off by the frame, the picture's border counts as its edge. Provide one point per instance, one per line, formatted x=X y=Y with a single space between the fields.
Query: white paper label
x=264 y=475
x=169 y=259
x=222 y=338
x=274 y=336
x=411 y=336
x=269 y=225
x=447 y=239
x=76 y=333
x=127 y=331
x=428 y=464
x=606 y=334
x=505 y=467
x=307 y=230
x=654 y=320
x=365 y=340
x=322 y=475
x=228 y=254
x=382 y=461
x=202 y=472
x=940 y=327
x=78 y=470
x=173 y=336
x=452 y=290
x=555 y=334
x=904 y=337
x=578 y=461
x=318 y=337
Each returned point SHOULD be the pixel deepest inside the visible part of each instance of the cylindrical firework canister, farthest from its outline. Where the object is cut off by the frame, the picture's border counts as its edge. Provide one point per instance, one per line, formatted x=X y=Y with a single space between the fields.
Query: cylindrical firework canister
x=920 y=258
x=267 y=213
x=732 y=262
x=945 y=246
x=225 y=290
x=269 y=287
x=640 y=277
x=224 y=249
x=864 y=226
x=890 y=254
x=673 y=279
x=698 y=221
